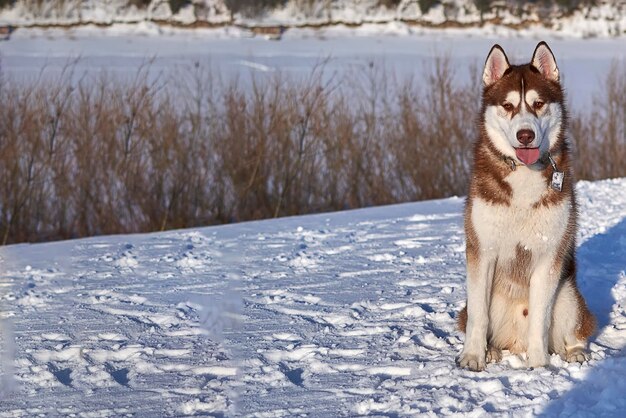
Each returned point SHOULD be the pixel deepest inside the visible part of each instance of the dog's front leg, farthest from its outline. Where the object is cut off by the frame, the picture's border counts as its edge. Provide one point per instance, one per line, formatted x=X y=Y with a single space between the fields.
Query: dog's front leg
x=479 y=281
x=543 y=284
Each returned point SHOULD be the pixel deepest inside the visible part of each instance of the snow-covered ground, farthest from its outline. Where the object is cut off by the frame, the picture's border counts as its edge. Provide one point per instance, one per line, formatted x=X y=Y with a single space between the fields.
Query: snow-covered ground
x=349 y=313
x=583 y=63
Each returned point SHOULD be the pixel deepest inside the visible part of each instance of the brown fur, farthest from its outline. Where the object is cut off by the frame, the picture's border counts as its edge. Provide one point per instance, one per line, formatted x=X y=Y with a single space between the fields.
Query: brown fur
x=472 y=246
x=513 y=276
x=461 y=320
x=512 y=79
x=586 y=320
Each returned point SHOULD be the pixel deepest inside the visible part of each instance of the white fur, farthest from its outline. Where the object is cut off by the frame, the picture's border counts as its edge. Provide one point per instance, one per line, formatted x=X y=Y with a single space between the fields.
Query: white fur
x=509 y=325
x=531 y=97
x=478 y=295
x=513 y=97
x=543 y=284
x=501 y=228
x=551 y=123
x=497 y=126
x=507 y=322
x=528 y=187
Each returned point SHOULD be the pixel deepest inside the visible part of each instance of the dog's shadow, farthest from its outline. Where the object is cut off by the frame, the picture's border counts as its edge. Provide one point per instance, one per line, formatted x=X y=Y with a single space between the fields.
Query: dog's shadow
x=601 y=262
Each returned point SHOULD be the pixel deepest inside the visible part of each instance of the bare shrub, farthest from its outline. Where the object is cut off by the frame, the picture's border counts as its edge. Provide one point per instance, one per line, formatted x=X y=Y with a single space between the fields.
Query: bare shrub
x=599 y=133
x=434 y=140
x=107 y=155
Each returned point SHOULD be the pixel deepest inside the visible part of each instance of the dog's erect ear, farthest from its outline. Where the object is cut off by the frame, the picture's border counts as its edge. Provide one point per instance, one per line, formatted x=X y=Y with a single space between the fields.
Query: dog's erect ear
x=543 y=60
x=495 y=66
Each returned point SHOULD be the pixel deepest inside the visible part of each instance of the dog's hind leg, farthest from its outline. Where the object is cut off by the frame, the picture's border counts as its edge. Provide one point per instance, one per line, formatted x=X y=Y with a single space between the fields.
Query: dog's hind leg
x=572 y=324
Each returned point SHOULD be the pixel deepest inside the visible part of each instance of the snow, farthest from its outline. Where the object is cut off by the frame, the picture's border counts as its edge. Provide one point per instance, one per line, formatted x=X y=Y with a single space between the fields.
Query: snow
x=347 y=313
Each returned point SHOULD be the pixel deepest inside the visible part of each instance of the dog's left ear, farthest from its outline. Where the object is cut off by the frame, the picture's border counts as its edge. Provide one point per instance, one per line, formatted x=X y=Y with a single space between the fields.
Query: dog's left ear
x=544 y=61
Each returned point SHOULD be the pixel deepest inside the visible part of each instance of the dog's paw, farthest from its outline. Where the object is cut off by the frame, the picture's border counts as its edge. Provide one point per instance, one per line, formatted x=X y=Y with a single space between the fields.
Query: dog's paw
x=576 y=355
x=474 y=362
x=538 y=358
x=494 y=355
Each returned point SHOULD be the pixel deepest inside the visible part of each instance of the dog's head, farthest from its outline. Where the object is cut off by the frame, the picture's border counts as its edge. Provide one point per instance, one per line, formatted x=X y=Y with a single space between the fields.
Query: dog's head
x=523 y=109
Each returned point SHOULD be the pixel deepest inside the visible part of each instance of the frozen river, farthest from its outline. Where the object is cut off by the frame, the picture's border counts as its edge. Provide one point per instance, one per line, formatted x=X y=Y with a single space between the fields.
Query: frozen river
x=583 y=62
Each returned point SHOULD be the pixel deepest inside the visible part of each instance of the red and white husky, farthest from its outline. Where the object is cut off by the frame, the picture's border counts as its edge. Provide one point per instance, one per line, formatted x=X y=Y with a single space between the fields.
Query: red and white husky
x=520 y=222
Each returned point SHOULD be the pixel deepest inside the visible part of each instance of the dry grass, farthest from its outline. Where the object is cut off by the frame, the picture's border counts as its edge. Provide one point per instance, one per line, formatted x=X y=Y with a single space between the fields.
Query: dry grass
x=599 y=133
x=112 y=156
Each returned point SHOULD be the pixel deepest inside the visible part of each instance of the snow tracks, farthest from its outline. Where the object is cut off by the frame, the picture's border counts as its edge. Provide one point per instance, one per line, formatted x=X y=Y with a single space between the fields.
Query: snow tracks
x=342 y=314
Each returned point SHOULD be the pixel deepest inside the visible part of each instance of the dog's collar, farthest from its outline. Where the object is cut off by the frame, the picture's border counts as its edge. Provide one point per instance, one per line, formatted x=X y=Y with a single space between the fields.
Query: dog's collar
x=541 y=164
x=510 y=162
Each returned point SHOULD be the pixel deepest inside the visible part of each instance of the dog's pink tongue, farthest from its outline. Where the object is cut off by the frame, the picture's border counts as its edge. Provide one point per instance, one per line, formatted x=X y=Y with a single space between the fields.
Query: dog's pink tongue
x=527 y=155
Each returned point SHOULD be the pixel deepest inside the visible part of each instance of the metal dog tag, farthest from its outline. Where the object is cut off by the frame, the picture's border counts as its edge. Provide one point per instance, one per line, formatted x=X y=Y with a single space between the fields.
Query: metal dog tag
x=557 y=180
x=557 y=176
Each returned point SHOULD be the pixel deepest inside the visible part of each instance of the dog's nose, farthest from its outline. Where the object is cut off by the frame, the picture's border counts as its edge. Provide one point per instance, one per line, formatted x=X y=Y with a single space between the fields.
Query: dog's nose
x=525 y=136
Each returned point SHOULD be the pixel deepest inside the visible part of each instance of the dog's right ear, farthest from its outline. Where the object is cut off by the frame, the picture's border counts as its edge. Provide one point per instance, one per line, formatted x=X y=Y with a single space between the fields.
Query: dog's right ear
x=495 y=66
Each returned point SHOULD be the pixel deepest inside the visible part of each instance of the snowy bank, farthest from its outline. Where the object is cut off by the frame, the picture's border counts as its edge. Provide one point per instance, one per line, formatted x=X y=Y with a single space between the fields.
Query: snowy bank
x=604 y=19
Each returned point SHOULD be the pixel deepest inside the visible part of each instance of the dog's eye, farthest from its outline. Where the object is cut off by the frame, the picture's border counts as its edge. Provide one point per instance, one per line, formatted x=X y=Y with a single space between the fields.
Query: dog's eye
x=507 y=106
x=538 y=105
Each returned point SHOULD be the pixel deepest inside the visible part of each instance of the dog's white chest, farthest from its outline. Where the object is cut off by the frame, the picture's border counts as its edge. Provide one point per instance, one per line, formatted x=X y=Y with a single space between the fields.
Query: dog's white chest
x=528 y=187
x=501 y=228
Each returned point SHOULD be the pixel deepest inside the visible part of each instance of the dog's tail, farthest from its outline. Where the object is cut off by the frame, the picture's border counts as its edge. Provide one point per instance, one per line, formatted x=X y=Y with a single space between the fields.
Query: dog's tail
x=461 y=319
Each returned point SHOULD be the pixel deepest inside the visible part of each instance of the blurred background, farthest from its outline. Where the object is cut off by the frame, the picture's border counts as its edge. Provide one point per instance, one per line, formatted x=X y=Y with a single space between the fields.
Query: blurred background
x=123 y=116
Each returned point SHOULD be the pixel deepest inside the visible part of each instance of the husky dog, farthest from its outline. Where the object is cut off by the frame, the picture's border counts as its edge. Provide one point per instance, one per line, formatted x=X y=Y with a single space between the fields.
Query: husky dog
x=520 y=222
